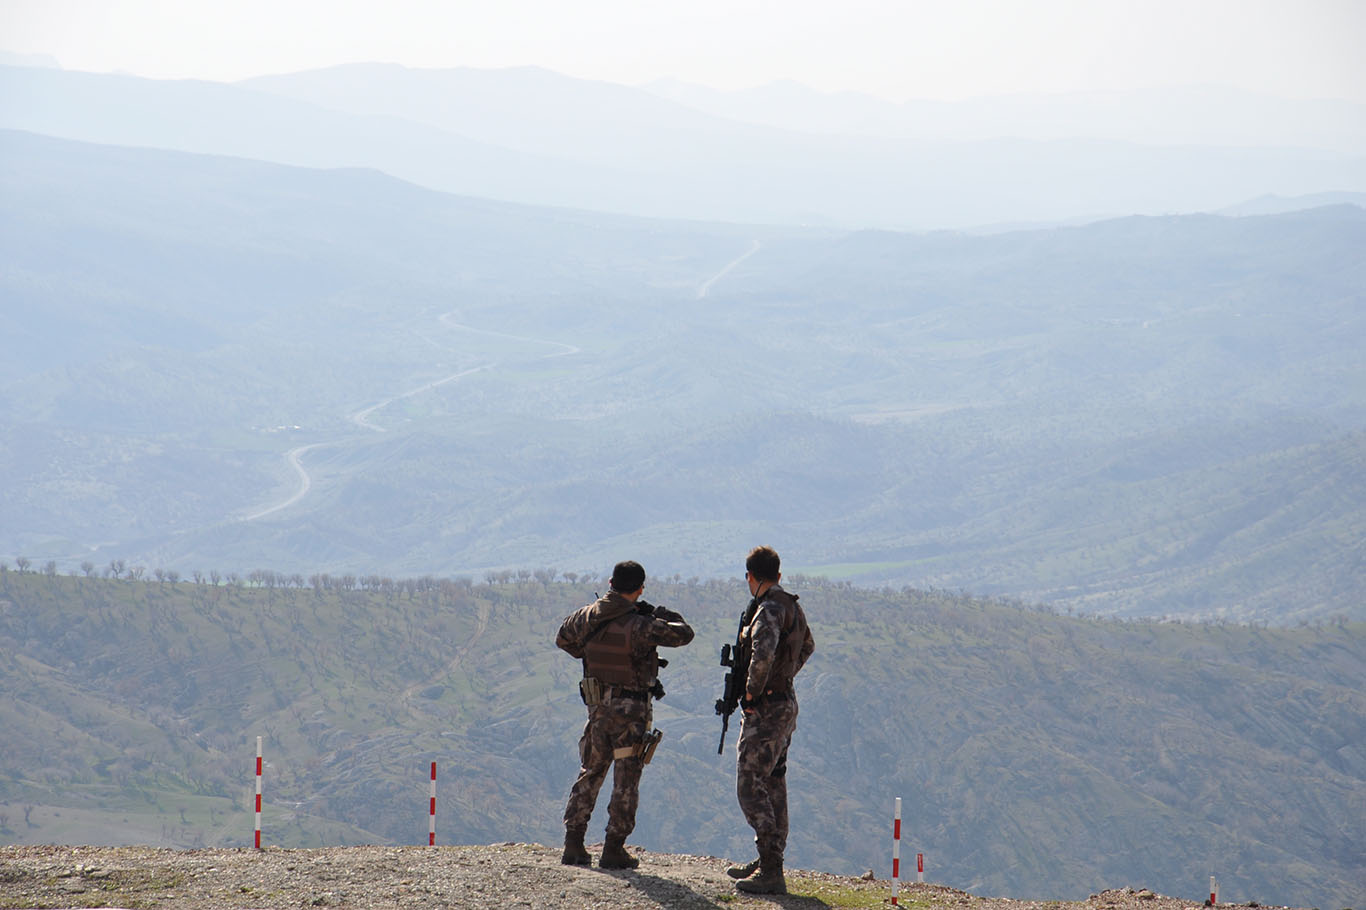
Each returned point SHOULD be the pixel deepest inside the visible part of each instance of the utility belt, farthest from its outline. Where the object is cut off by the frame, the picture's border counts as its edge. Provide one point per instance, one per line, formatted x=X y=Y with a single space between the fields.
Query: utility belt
x=771 y=695
x=644 y=749
x=594 y=692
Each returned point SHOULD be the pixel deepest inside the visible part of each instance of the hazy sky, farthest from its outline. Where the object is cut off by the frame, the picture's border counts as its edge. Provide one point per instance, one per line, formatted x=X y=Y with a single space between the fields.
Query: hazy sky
x=898 y=49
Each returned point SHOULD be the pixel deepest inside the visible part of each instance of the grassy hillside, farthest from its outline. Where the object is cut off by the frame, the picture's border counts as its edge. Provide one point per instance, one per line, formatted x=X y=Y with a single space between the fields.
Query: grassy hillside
x=1038 y=755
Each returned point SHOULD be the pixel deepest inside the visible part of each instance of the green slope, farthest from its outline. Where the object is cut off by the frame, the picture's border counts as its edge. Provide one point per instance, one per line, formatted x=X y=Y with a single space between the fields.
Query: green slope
x=1037 y=755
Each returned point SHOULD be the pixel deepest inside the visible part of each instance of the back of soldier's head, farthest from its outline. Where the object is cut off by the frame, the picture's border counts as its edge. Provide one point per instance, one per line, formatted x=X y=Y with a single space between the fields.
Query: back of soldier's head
x=763 y=563
x=627 y=577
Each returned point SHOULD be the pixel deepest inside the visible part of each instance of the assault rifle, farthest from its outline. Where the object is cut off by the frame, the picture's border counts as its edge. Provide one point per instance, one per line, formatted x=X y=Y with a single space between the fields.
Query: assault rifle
x=737 y=659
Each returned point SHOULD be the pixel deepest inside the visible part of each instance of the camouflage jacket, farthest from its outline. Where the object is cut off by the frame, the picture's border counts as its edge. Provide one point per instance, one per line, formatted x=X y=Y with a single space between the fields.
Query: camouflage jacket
x=779 y=643
x=614 y=615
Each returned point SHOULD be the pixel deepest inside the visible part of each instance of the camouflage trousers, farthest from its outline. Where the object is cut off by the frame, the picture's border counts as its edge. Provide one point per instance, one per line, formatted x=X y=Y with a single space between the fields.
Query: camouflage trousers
x=615 y=723
x=761 y=771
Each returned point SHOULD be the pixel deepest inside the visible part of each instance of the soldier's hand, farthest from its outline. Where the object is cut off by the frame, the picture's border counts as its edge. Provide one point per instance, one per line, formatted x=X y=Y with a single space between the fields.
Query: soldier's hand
x=667 y=615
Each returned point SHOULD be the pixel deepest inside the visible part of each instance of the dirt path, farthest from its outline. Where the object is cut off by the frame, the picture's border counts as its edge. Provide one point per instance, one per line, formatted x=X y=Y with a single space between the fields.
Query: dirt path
x=481 y=626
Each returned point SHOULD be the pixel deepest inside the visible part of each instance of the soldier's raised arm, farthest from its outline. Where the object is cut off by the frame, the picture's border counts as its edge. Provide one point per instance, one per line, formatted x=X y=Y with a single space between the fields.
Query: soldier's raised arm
x=571 y=634
x=669 y=628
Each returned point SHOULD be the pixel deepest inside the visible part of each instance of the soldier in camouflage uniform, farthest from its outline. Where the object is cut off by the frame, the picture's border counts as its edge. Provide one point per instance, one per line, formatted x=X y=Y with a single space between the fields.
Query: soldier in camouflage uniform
x=616 y=637
x=778 y=642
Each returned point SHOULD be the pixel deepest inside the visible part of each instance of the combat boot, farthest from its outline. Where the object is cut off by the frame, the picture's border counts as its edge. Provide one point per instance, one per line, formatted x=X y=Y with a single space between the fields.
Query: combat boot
x=575 y=853
x=744 y=871
x=770 y=878
x=614 y=855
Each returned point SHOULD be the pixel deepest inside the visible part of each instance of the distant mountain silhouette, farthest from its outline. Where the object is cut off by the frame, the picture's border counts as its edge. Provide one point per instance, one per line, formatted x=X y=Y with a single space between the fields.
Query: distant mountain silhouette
x=532 y=136
x=1276 y=205
x=1187 y=115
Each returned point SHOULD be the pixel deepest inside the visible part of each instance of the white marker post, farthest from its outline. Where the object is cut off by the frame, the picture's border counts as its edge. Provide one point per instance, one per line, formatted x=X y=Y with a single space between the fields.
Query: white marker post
x=258 y=793
x=431 y=812
x=1213 y=891
x=920 y=867
x=896 y=852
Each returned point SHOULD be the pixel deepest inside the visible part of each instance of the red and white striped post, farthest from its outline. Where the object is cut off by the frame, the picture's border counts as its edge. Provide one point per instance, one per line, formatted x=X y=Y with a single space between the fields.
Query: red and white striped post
x=1213 y=891
x=920 y=867
x=896 y=852
x=431 y=812
x=258 y=793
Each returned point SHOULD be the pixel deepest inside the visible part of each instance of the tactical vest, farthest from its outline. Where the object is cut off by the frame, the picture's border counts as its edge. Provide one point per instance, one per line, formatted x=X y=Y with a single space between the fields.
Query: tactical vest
x=790 y=646
x=790 y=639
x=607 y=656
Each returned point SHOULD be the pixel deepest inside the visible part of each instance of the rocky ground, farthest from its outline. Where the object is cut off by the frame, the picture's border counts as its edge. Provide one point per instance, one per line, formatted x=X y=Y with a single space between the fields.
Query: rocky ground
x=506 y=875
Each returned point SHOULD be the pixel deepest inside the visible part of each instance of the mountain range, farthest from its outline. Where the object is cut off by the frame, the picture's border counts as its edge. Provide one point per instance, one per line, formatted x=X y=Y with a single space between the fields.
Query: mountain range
x=221 y=362
x=325 y=396
x=1196 y=115
x=533 y=136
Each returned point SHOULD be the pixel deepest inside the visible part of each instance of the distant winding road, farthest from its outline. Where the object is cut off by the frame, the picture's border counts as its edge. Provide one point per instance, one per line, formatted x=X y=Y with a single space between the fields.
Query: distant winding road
x=305 y=482
x=361 y=418
x=705 y=287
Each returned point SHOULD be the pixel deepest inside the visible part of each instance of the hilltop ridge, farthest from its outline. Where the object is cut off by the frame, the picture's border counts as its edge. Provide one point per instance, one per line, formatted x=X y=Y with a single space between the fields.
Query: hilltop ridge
x=1035 y=753
x=500 y=875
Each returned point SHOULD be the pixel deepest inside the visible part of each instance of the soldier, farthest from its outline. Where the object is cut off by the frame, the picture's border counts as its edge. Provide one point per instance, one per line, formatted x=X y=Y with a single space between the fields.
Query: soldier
x=775 y=635
x=616 y=637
